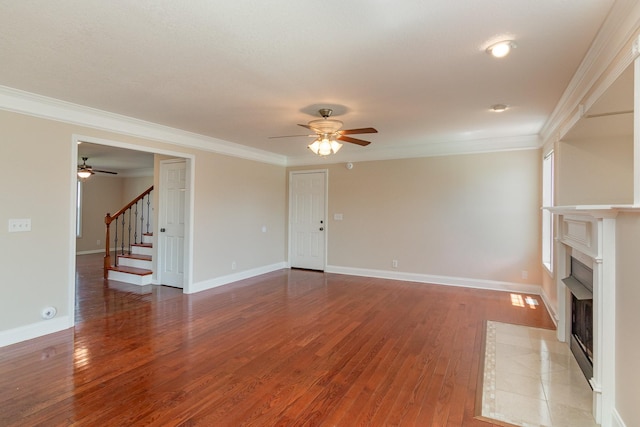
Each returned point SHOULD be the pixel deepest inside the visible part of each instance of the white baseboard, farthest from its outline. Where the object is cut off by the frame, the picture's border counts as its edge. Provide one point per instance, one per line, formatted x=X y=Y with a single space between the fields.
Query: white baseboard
x=34 y=330
x=550 y=309
x=94 y=251
x=438 y=280
x=616 y=419
x=241 y=275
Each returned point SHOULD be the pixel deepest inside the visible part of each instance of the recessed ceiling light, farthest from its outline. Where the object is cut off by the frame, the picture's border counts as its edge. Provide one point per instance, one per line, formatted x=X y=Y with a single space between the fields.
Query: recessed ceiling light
x=501 y=49
x=499 y=108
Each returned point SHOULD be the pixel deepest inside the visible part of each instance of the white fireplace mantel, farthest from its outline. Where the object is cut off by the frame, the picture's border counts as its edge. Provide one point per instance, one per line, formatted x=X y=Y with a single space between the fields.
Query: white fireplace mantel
x=591 y=231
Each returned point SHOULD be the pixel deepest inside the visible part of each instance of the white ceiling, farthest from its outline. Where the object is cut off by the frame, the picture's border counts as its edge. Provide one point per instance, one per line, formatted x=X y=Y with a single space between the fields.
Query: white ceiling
x=244 y=70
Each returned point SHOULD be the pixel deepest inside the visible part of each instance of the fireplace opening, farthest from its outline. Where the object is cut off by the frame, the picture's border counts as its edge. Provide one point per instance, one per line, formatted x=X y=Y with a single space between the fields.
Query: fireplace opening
x=580 y=283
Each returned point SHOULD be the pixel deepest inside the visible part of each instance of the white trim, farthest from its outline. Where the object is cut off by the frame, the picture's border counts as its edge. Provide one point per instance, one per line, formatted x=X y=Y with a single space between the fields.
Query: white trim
x=191 y=166
x=35 y=330
x=231 y=278
x=94 y=251
x=636 y=131
x=435 y=149
x=49 y=108
x=616 y=419
x=553 y=313
x=493 y=285
x=598 y=69
x=71 y=265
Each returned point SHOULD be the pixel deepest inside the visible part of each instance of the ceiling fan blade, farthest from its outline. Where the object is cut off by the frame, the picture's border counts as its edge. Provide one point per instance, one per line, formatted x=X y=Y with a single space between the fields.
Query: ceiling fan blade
x=353 y=140
x=101 y=171
x=354 y=131
x=291 y=136
x=311 y=128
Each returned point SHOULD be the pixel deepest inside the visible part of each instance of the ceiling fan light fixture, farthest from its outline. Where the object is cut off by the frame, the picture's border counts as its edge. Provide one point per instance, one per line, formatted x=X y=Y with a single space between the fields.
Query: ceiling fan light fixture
x=324 y=145
x=314 y=146
x=501 y=49
x=84 y=174
x=335 y=146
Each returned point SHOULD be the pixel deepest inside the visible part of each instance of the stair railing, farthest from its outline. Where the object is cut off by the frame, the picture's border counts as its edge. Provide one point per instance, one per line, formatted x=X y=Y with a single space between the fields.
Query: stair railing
x=128 y=217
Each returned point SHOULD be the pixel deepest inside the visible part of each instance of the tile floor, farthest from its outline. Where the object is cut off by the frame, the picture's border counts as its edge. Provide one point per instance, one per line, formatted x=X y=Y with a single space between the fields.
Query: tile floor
x=531 y=379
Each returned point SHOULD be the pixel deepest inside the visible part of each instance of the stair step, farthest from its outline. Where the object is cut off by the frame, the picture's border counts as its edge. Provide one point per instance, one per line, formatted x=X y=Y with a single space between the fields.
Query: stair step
x=137 y=256
x=132 y=275
x=143 y=261
x=142 y=248
x=131 y=270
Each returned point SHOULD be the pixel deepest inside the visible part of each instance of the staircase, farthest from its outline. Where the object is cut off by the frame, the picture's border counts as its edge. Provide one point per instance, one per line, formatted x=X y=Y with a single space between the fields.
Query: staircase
x=135 y=268
x=133 y=242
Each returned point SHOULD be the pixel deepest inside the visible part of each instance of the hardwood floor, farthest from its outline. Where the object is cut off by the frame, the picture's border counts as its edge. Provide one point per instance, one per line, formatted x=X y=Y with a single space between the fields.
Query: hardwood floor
x=289 y=348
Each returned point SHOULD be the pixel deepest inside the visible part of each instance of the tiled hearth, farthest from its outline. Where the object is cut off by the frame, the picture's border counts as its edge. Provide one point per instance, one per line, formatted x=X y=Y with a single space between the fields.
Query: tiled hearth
x=532 y=379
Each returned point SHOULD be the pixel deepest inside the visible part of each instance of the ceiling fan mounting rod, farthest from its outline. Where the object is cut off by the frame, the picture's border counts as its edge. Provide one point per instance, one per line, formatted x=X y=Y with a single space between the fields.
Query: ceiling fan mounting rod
x=325 y=112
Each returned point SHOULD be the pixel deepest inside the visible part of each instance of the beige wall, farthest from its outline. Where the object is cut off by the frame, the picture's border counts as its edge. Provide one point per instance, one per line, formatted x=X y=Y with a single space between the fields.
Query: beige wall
x=627 y=317
x=241 y=197
x=132 y=187
x=100 y=194
x=594 y=172
x=470 y=216
x=233 y=199
x=35 y=271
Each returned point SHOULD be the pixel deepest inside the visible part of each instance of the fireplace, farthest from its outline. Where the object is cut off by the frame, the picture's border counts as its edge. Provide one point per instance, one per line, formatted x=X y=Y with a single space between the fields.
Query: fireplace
x=588 y=235
x=580 y=283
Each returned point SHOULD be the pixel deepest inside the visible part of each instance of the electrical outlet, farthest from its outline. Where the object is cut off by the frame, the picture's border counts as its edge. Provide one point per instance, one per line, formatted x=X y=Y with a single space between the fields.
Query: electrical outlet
x=233 y=265
x=394 y=263
x=98 y=242
x=525 y=274
x=18 y=225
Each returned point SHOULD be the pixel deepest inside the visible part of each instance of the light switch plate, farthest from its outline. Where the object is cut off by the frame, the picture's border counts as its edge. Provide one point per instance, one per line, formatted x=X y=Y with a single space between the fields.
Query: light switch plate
x=18 y=225
x=337 y=217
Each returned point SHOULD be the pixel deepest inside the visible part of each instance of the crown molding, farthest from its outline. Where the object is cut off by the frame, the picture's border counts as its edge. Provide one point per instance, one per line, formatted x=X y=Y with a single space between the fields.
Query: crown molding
x=612 y=51
x=19 y=101
x=444 y=148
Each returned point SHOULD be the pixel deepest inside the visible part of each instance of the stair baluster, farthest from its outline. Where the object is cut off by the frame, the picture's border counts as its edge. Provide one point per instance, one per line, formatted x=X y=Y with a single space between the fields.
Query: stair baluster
x=122 y=240
x=135 y=226
x=126 y=222
x=148 y=210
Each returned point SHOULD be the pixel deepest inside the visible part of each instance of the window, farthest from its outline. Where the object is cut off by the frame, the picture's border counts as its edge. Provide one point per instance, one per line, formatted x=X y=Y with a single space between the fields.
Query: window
x=547 y=217
x=79 y=209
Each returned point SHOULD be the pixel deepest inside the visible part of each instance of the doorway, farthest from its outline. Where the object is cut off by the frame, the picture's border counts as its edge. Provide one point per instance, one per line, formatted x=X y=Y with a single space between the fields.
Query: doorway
x=188 y=160
x=308 y=219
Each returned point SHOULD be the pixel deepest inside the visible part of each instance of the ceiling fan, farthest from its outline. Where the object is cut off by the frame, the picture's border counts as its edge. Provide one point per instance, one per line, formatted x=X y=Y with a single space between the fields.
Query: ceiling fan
x=328 y=133
x=85 y=170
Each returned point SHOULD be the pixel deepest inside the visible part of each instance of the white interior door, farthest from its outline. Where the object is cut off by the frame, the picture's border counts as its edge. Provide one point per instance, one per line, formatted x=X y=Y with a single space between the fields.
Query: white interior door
x=307 y=219
x=172 y=205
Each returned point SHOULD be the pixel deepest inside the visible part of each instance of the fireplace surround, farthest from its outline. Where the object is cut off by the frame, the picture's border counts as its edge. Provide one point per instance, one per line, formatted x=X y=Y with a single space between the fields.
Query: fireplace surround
x=588 y=234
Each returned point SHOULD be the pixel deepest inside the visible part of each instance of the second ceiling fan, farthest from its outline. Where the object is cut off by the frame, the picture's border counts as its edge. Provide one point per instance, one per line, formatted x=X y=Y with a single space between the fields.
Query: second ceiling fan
x=85 y=170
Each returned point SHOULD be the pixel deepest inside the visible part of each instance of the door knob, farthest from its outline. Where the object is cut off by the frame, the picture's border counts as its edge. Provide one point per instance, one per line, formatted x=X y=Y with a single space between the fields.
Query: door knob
x=162 y=230
x=321 y=228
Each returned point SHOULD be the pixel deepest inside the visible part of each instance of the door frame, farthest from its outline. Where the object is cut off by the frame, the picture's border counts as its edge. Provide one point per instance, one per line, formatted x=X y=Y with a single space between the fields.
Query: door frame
x=326 y=212
x=188 y=256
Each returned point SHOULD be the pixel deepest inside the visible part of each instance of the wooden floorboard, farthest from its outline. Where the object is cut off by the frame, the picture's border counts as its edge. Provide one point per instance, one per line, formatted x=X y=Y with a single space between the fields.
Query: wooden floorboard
x=289 y=348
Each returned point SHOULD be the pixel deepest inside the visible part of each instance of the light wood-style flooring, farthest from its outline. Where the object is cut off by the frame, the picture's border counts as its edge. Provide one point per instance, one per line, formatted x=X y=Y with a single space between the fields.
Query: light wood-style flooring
x=289 y=348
